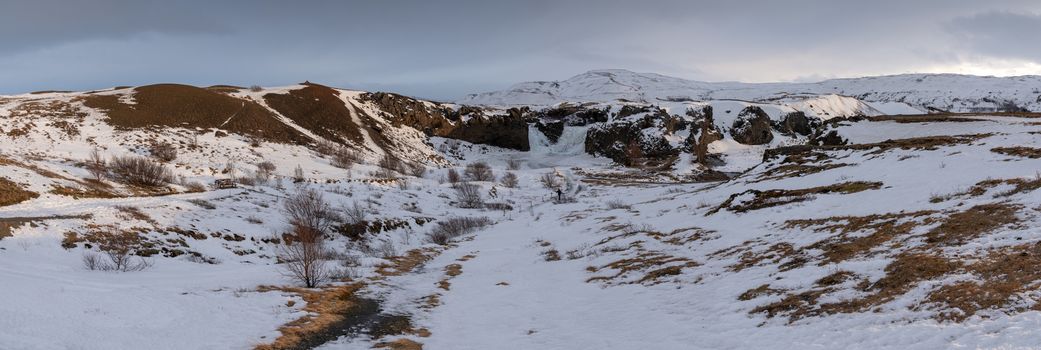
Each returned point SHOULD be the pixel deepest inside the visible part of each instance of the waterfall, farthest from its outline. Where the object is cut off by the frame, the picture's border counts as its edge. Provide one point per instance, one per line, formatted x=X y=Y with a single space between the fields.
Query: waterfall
x=571 y=142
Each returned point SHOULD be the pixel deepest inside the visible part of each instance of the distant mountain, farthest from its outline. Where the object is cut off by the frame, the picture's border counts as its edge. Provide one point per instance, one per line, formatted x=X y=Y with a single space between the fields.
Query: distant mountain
x=889 y=94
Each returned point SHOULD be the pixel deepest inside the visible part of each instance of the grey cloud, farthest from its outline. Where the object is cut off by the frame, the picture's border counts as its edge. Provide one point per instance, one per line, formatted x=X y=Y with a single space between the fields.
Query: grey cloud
x=1000 y=34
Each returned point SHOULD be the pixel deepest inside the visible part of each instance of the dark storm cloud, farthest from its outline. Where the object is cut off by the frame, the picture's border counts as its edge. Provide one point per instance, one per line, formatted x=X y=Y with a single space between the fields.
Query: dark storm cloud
x=444 y=49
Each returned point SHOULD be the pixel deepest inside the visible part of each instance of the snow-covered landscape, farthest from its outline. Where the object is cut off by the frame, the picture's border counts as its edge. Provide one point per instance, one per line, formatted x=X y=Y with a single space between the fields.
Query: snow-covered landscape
x=865 y=230
x=458 y=174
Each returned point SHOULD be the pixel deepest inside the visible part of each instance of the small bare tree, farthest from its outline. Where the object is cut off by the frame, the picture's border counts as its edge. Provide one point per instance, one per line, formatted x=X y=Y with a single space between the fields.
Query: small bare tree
x=303 y=257
x=550 y=180
x=509 y=180
x=264 y=170
x=298 y=174
x=513 y=164
x=97 y=166
x=163 y=151
x=468 y=195
x=389 y=166
x=453 y=176
x=479 y=171
x=308 y=208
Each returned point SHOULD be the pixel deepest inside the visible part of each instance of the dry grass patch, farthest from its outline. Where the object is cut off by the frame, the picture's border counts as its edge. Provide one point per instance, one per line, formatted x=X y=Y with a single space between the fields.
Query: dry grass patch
x=328 y=309
x=13 y=193
x=772 y=198
x=965 y=226
x=905 y=272
x=849 y=241
x=1001 y=277
x=1018 y=151
x=657 y=265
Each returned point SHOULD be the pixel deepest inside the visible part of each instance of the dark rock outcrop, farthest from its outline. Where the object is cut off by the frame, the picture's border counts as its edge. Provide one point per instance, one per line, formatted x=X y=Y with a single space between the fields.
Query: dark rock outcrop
x=468 y=123
x=629 y=140
x=796 y=123
x=752 y=127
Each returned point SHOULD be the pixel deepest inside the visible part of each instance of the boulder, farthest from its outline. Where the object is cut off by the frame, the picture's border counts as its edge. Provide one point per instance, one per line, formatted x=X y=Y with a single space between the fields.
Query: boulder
x=752 y=127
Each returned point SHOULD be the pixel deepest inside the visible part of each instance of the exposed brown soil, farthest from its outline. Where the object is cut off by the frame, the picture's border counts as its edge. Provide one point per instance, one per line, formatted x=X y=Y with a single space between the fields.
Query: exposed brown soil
x=319 y=109
x=188 y=106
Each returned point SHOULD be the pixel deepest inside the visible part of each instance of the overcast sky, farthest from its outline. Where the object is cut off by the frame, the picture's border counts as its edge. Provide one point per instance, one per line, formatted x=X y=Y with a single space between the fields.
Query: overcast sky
x=446 y=49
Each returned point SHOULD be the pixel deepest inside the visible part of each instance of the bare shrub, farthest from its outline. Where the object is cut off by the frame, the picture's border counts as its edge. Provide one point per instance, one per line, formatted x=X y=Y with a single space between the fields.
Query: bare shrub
x=303 y=257
x=195 y=186
x=255 y=88
x=140 y=171
x=616 y=204
x=345 y=158
x=298 y=174
x=453 y=176
x=417 y=170
x=387 y=249
x=265 y=169
x=308 y=208
x=389 y=166
x=354 y=213
x=550 y=180
x=509 y=180
x=447 y=230
x=513 y=164
x=479 y=171
x=117 y=250
x=163 y=151
x=468 y=195
x=97 y=166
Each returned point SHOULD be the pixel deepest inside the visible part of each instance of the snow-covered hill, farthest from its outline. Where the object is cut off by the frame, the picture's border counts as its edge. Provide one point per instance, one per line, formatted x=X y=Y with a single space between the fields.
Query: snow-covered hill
x=896 y=94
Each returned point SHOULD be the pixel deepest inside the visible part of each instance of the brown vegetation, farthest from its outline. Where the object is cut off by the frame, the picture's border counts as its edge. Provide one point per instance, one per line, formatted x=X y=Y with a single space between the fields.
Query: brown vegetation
x=773 y=198
x=13 y=193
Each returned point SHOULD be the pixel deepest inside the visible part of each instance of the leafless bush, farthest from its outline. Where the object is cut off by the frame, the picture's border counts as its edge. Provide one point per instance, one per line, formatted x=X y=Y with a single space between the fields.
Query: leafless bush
x=387 y=249
x=117 y=250
x=195 y=186
x=513 y=164
x=298 y=174
x=303 y=257
x=140 y=171
x=468 y=195
x=344 y=157
x=307 y=208
x=265 y=169
x=354 y=213
x=163 y=151
x=616 y=204
x=417 y=170
x=255 y=88
x=389 y=166
x=447 y=230
x=96 y=165
x=479 y=171
x=550 y=180
x=509 y=180
x=202 y=203
x=453 y=176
